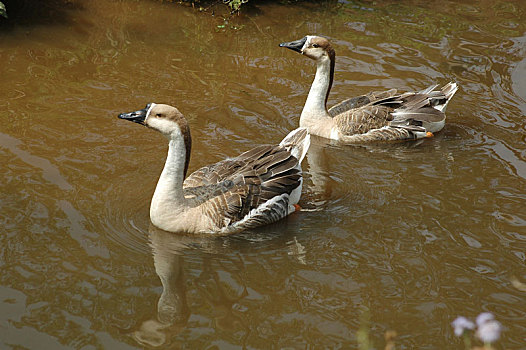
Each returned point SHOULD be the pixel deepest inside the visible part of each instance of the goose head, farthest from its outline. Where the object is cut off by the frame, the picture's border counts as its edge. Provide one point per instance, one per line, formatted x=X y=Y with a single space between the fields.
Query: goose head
x=163 y=118
x=314 y=47
x=169 y=122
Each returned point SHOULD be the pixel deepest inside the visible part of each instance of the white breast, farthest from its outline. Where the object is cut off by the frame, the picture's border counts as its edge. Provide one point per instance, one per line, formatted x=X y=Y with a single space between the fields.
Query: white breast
x=335 y=134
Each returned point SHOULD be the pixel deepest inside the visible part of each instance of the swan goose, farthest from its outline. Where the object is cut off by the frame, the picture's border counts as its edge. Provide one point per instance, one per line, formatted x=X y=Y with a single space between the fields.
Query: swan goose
x=255 y=188
x=377 y=116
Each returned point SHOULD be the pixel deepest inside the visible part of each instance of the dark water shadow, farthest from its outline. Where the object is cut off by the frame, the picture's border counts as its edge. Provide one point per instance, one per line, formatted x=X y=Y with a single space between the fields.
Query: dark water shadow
x=38 y=12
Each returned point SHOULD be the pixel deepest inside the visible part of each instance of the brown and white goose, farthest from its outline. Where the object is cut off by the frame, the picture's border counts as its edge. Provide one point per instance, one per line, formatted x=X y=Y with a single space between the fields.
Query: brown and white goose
x=256 y=188
x=377 y=116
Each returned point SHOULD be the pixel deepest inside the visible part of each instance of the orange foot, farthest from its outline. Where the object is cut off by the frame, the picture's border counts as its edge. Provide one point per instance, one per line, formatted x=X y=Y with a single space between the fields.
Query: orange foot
x=429 y=134
x=297 y=207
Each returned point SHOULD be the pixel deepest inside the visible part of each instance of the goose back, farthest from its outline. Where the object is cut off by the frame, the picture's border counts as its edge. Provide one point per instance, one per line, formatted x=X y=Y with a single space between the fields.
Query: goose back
x=360 y=101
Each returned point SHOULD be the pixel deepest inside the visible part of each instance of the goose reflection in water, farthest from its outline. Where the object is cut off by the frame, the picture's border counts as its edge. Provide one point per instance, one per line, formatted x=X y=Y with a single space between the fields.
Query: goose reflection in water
x=172 y=307
x=173 y=312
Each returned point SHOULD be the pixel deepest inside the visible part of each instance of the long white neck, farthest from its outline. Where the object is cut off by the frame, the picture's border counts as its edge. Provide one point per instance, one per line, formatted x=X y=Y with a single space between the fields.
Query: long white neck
x=315 y=106
x=168 y=197
x=315 y=116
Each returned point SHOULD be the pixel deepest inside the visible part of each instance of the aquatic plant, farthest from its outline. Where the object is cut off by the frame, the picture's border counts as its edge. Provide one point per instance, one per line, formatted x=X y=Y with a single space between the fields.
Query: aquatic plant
x=488 y=330
x=463 y=327
x=363 y=336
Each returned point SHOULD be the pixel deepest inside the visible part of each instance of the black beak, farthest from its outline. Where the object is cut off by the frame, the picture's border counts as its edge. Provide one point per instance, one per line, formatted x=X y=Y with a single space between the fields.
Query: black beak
x=296 y=45
x=137 y=116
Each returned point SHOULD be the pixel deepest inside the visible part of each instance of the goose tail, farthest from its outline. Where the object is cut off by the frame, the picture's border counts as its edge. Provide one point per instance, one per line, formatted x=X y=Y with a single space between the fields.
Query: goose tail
x=297 y=142
x=448 y=90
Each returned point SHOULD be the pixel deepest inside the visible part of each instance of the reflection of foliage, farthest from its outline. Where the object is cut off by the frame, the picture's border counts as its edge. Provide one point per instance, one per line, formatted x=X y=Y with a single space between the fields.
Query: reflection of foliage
x=234 y=5
x=3 y=12
x=405 y=23
x=390 y=19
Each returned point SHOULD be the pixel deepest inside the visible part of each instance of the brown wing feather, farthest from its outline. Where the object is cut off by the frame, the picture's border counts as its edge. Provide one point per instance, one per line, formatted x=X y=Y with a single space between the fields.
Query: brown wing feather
x=384 y=134
x=363 y=119
x=227 y=191
x=412 y=109
x=360 y=101
x=219 y=171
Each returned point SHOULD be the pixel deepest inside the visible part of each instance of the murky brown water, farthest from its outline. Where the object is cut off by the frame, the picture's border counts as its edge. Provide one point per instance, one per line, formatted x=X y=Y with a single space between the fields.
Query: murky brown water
x=398 y=237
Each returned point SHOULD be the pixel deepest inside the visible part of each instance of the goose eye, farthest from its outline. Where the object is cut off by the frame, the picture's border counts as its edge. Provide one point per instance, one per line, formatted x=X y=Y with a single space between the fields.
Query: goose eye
x=315 y=45
x=158 y=115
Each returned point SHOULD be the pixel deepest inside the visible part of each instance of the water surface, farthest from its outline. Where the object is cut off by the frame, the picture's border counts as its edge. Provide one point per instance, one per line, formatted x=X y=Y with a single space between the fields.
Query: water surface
x=400 y=237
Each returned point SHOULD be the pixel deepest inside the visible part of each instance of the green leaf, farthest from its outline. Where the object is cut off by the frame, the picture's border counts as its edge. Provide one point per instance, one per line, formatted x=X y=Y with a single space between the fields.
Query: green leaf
x=3 y=11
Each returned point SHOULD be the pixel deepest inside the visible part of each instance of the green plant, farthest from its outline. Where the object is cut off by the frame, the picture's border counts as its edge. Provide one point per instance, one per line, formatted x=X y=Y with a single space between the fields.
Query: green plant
x=3 y=11
x=235 y=5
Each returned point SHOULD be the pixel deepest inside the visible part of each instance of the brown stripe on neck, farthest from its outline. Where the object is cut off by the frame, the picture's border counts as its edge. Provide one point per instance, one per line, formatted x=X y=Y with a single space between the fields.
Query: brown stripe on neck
x=187 y=145
x=332 y=56
x=185 y=130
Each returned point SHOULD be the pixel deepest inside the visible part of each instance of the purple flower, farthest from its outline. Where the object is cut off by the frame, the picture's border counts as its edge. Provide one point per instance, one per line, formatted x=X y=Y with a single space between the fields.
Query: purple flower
x=461 y=324
x=484 y=317
x=489 y=331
